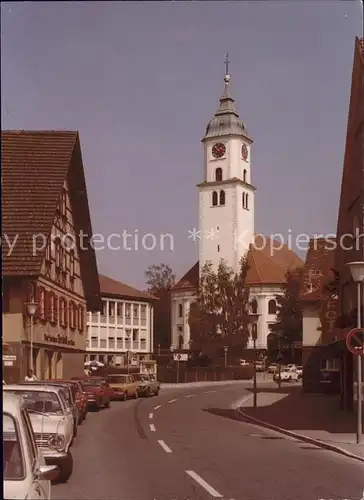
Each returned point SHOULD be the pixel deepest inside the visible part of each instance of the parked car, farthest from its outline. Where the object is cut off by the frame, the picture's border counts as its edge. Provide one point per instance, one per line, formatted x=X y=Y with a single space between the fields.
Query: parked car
x=148 y=386
x=98 y=392
x=52 y=423
x=272 y=368
x=83 y=399
x=25 y=473
x=123 y=386
x=76 y=397
x=68 y=395
x=286 y=375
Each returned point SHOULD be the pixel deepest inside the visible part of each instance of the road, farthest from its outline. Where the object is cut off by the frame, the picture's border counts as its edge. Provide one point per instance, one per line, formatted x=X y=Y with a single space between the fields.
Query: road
x=185 y=445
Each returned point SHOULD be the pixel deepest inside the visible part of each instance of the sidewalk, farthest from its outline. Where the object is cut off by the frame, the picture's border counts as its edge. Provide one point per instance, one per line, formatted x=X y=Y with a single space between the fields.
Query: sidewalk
x=314 y=416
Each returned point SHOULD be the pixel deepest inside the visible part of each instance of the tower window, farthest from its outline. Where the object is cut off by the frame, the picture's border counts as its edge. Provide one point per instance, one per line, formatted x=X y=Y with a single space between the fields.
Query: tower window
x=222 y=197
x=244 y=175
x=272 y=307
x=218 y=174
x=214 y=198
x=243 y=200
x=254 y=306
x=218 y=248
x=246 y=201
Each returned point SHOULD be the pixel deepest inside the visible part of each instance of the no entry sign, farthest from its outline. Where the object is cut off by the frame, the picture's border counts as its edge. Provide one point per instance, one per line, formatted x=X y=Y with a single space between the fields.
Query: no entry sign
x=355 y=341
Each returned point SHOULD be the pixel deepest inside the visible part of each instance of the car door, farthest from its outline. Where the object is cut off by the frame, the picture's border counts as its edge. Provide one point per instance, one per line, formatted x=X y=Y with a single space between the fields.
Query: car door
x=40 y=488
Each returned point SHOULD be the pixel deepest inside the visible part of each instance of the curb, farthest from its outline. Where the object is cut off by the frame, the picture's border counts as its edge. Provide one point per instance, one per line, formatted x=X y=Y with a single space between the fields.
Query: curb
x=184 y=385
x=301 y=437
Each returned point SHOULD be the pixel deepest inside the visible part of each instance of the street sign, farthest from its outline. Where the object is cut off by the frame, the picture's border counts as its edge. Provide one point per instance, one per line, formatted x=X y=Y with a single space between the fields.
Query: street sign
x=180 y=357
x=9 y=357
x=355 y=341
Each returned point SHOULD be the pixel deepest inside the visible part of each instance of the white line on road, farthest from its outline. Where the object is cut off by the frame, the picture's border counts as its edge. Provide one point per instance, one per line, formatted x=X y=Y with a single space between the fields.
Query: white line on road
x=157 y=407
x=150 y=415
x=202 y=482
x=240 y=402
x=190 y=396
x=209 y=392
x=172 y=400
x=152 y=427
x=164 y=446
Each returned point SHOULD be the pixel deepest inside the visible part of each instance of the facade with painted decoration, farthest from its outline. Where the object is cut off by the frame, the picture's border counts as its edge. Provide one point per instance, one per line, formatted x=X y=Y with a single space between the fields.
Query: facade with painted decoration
x=122 y=332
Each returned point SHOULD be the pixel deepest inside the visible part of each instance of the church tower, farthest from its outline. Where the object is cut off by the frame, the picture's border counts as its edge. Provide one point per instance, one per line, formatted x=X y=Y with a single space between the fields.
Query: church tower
x=226 y=200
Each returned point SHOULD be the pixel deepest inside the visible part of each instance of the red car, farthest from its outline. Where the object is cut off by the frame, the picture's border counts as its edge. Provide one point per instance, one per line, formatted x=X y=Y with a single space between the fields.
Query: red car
x=97 y=390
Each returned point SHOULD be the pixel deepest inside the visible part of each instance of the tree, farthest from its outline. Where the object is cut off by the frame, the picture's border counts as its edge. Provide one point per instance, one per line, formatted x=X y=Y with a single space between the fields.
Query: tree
x=159 y=279
x=220 y=315
x=288 y=326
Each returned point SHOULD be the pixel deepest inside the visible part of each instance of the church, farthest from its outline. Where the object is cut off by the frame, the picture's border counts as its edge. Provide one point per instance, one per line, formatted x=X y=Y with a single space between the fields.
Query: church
x=226 y=226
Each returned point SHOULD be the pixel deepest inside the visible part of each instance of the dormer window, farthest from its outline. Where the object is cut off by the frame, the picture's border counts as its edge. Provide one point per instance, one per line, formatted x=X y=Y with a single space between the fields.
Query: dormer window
x=218 y=174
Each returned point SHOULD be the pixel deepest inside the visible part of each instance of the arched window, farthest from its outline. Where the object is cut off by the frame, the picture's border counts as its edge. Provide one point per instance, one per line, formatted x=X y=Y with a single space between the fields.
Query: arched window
x=222 y=197
x=243 y=200
x=272 y=307
x=246 y=200
x=218 y=174
x=254 y=306
x=180 y=310
x=180 y=342
x=244 y=175
x=214 y=199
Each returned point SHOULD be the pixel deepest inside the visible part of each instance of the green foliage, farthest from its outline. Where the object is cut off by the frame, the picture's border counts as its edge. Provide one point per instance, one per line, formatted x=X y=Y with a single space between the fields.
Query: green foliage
x=159 y=279
x=289 y=311
x=221 y=310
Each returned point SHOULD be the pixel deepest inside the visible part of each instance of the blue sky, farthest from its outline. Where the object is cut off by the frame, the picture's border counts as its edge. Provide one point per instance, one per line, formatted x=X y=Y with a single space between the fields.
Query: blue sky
x=140 y=81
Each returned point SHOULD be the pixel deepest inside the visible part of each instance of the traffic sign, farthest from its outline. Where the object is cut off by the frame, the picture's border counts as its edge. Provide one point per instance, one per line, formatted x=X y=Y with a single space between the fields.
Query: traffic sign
x=355 y=341
x=180 y=357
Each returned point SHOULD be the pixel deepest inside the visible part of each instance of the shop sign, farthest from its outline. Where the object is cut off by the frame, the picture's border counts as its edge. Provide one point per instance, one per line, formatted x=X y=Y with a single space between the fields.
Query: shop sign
x=59 y=339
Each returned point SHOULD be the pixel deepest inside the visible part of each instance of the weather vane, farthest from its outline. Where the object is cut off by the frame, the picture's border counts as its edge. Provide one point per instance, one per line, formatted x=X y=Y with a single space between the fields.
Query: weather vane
x=227 y=64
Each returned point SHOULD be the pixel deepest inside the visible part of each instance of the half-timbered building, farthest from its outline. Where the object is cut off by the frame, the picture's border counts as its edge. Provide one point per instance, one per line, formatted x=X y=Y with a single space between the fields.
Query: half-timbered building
x=49 y=263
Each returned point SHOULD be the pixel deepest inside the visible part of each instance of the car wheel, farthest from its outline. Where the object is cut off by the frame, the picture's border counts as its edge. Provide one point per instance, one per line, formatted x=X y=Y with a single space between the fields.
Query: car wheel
x=66 y=469
x=124 y=396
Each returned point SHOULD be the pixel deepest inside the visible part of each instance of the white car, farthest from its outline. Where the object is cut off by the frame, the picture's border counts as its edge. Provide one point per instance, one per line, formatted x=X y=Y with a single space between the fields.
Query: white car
x=26 y=475
x=286 y=375
x=52 y=422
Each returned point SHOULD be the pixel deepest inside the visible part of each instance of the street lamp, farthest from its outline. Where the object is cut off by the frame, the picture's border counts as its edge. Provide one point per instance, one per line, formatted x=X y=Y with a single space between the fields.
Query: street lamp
x=253 y=320
x=31 y=309
x=357 y=273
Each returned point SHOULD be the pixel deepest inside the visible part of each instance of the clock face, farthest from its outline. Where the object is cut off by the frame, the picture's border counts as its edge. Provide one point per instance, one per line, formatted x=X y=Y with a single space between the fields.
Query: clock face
x=244 y=152
x=218 y=150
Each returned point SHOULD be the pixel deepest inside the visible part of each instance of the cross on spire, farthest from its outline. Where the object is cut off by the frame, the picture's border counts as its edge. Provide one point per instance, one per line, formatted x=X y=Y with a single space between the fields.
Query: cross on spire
x=227 y=64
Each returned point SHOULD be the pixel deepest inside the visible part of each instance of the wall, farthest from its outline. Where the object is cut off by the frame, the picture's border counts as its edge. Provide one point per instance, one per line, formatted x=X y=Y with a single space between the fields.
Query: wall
x=186 y=298
x=311 y=334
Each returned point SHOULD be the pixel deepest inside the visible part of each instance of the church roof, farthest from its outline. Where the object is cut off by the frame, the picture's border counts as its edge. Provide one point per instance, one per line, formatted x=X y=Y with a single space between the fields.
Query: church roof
x=226 y=120
x=268 y=263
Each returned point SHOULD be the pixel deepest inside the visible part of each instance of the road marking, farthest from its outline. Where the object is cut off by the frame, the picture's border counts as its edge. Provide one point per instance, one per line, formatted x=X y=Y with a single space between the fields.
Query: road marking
x=209 y=392
x=202 y=482
x=190 y=396
x=164 y=446
x=240 y=402
x=150 y=415
x=152 y=427
x=157 y=407
x=172 y=401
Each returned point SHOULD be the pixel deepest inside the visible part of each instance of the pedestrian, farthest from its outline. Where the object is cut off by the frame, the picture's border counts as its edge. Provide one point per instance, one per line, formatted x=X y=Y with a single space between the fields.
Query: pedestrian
x=30 y=377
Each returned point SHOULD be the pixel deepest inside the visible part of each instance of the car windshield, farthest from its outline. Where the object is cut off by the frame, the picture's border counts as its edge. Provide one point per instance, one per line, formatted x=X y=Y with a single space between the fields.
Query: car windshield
x=12 y=456
x=92 y=383
x=41 y=402
x=118 y=379
x=141 y=377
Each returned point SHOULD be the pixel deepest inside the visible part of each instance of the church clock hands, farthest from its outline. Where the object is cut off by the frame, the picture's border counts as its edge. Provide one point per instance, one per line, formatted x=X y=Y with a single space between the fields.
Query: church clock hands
x=218 y=150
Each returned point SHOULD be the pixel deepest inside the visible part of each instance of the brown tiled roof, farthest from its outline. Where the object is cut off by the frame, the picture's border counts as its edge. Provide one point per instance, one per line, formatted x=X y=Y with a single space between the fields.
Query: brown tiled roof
x=360 y=44
x=112 y=288
x=268 y=263
x=317 y=271
x=35 y=165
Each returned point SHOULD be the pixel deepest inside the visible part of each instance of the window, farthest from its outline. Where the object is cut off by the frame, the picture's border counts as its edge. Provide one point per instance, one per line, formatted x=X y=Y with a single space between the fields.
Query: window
x=58 y=253
x=135 y=311
x=243 y=200
x=180 y=310
x=72 y=264
x=332 y=364
x=135 y=335
x=127 y=310
x=272 y=307
x=218 y=174
x=222 y=197
x=51 y=307
x=244 y=175
x=42 y=303
x=254 y=306
x=64 y=260
x=246 y=201
x=64 y=203
x=14 y=467
x=214 y=199
x=32 y=292
x=111 y=308
x=81 y=318
x=104 y=307
x=71 y=311
x=119 y=308
x=218 y=248
x=143 y=312
x=48 y=252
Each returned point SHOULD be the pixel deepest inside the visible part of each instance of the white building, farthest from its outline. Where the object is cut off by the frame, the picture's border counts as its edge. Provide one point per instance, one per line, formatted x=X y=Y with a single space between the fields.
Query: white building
x=123 y=328
x=226 y=215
